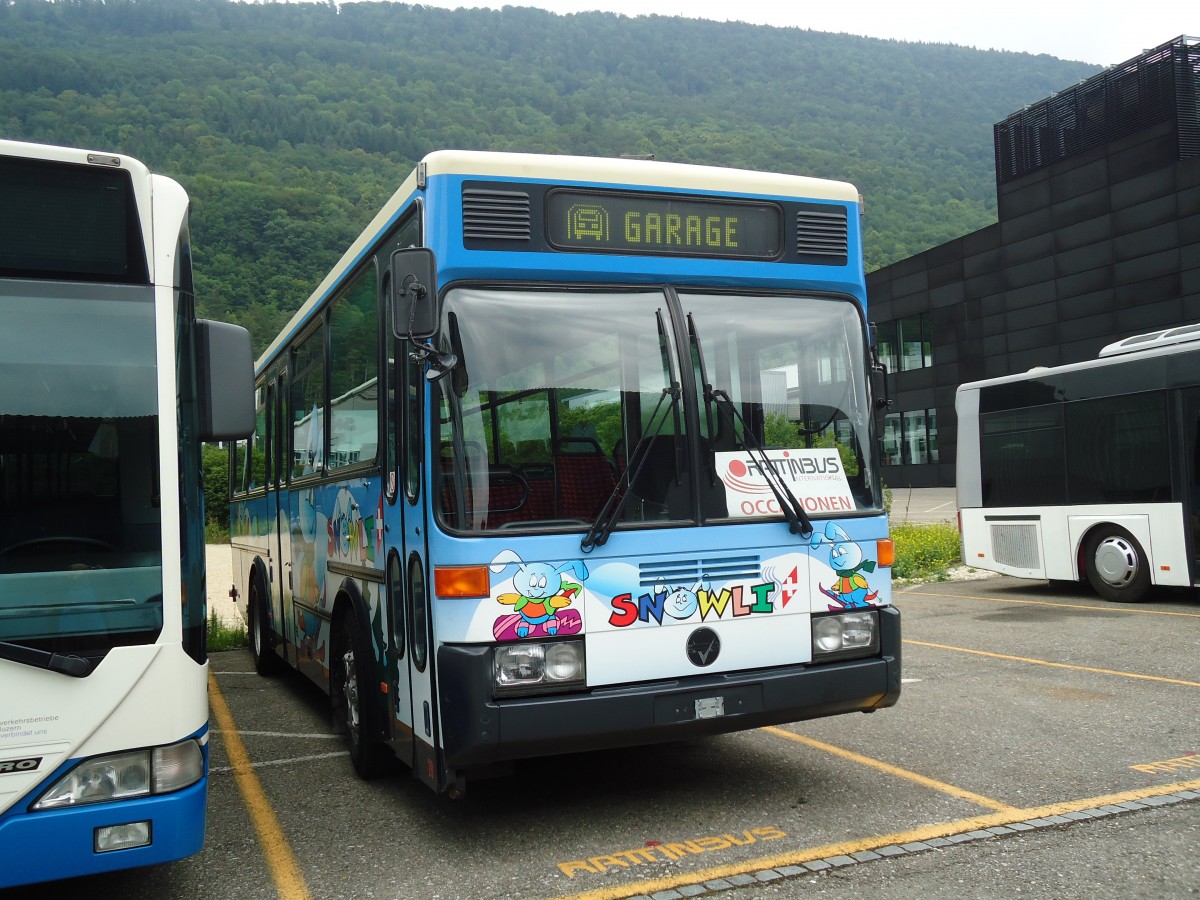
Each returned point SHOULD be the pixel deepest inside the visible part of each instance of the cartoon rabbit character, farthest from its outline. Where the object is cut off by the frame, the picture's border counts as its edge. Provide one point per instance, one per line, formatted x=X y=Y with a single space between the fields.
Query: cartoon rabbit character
x=851 y=590
x=681 y=602
x=541 y=592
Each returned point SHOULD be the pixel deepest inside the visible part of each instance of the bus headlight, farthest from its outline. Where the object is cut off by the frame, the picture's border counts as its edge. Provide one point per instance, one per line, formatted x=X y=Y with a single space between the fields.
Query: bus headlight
x=120 y=776
x=531 y=667
x=845 y=635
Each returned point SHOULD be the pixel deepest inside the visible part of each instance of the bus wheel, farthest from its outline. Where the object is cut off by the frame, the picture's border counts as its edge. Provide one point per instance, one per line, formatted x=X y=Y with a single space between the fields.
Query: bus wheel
x=1116 y=565
x=258 y=623
x=354 y=708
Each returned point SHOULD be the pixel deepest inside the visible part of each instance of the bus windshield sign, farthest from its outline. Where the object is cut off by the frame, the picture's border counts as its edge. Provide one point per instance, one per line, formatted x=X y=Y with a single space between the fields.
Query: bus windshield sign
x=663 y=224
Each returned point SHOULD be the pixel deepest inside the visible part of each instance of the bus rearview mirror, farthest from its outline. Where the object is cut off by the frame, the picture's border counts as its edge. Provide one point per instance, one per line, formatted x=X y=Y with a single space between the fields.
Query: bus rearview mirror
x=414 y=293
x=225 y=381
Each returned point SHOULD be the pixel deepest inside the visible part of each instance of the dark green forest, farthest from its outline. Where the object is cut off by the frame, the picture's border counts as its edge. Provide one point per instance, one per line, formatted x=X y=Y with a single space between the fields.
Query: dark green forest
x=290 y=124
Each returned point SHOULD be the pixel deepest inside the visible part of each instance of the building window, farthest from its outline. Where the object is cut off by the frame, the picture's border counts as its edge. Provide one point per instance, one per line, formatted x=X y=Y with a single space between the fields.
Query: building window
x=906 y=344
x=891 y=439
x=910 y=438
x=915 y=342
x=885 y=342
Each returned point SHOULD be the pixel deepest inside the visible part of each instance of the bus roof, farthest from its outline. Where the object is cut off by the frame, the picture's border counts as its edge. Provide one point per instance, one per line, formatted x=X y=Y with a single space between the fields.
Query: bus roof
x=51 y=153
x=549 y=167
x=633 y=172
x=1164 y=342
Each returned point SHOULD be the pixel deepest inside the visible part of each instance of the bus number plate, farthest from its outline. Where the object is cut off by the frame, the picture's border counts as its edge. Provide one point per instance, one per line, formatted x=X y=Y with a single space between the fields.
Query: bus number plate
x=710 y=708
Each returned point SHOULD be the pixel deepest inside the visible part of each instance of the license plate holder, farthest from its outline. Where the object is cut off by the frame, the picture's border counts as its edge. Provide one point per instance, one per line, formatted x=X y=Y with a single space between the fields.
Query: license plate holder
x=710 y=707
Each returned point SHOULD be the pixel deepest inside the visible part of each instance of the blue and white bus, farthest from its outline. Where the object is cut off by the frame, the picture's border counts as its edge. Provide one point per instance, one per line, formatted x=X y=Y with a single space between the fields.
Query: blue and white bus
x=572 y=453
x=108 y=383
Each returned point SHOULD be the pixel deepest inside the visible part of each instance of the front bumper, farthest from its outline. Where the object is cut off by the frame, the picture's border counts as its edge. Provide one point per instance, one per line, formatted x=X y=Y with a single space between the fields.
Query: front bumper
x=478 y=730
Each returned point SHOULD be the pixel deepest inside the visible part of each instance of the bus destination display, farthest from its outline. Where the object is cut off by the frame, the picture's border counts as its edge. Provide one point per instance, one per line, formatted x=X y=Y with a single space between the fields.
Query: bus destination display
x=663 y=225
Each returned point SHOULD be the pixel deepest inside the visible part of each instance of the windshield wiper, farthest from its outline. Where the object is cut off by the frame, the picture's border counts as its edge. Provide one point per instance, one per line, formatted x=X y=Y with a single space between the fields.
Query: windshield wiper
x=75 y=666
x=793 y=510
x=600 y=529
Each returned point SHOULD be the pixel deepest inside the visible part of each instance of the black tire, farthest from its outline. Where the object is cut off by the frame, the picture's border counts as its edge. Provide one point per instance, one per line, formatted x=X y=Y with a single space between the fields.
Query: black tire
x=258 y=625
x=1117 y=566
x=355 y=705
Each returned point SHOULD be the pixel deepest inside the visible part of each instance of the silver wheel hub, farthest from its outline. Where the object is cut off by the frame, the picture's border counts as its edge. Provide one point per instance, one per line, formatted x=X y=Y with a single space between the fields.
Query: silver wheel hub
x=350 y=693
x=1116 y=561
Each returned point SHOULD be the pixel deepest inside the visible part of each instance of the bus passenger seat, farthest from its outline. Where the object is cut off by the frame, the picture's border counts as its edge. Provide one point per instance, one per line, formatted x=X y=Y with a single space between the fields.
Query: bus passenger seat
x=585 y=480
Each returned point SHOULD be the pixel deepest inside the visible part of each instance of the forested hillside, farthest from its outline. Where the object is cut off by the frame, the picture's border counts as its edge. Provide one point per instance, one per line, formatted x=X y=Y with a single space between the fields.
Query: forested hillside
x=290 y=124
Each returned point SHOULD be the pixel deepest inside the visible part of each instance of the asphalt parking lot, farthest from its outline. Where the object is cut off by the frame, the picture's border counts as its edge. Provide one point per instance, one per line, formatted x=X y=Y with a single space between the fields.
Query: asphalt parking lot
x=1045 y=745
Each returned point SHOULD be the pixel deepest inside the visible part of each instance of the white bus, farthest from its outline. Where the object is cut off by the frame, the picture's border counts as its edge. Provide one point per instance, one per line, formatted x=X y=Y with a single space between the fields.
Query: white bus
x=108 y=385
x=1088 y=470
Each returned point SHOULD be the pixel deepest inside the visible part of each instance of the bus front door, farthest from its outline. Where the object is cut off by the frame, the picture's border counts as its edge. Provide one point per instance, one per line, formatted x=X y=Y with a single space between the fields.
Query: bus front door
x=414 y=712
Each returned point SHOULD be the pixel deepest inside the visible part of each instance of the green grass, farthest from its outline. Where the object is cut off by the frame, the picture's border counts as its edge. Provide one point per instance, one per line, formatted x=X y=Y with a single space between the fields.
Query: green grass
x=222 y=636
x=925 y=552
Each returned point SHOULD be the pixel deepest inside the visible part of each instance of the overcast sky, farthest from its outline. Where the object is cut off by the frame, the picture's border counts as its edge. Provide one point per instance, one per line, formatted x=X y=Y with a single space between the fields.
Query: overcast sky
x=1096 y=31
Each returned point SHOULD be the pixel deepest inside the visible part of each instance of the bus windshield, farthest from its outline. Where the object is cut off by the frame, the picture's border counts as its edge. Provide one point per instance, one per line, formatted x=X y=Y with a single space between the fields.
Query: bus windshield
x=80 y=537
x=564 y=401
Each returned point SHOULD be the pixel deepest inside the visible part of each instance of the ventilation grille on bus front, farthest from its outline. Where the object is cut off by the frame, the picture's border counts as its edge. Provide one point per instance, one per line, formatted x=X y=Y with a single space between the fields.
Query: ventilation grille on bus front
x=822 y=235
x=496 y=215
x=687 y=572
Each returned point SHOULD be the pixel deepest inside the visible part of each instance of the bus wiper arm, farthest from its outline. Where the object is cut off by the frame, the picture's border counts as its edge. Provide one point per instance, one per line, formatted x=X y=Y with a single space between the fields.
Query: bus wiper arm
x=75 y=666
x=603 y=526
x=793 y=510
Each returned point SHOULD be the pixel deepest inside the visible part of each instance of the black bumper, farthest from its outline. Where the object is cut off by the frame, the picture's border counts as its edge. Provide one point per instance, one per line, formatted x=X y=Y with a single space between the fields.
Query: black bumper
x=478 y=730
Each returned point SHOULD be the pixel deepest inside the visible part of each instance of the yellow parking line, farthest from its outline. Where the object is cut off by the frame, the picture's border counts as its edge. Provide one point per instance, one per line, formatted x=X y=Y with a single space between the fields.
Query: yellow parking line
x=285 y=870
x=1056 y=665
x=898 y=838
x=1129 y=608
x=924 y=781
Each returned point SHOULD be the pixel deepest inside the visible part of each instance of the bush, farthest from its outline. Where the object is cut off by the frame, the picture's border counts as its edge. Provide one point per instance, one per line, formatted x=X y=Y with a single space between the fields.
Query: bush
x=222 y=636
x=925 y=551
x=214 y=467
x=216 y=532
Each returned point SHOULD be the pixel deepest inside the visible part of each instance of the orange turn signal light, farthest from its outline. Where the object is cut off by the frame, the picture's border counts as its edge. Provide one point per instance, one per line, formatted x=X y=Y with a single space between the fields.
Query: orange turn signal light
x=461 y=581
x=885 y=551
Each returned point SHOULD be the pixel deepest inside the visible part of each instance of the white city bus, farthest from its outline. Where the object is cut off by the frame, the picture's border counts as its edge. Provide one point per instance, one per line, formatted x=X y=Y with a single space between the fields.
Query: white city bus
x=108 y=384
x=1088 y=470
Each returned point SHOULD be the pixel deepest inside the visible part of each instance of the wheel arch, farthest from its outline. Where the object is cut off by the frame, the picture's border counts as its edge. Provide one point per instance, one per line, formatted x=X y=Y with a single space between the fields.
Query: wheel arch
x=1082 y=528
x=1127 y=557
x=349 y=597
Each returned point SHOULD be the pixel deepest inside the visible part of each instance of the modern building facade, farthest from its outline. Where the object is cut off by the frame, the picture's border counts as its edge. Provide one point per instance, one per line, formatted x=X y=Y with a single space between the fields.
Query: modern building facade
x=1097 y=238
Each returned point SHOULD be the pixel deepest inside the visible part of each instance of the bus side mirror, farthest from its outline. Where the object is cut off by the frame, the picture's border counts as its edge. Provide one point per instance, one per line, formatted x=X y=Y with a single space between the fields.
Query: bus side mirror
x=414 y=293
x=225 y=381
x=879 y=381
x=879 y=372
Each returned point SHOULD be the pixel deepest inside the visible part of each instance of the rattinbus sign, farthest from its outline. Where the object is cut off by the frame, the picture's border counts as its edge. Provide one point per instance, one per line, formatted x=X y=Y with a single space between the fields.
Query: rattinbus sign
x=816 y=477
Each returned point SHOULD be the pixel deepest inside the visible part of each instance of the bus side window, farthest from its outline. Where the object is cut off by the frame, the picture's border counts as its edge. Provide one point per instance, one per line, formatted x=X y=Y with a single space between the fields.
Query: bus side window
x=354 y=374
x=255 y=474
x=308 y=406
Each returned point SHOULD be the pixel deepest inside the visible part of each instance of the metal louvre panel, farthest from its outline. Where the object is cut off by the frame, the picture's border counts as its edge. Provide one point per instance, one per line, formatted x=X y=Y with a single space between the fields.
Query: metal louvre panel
x=1015 y=545
x=497 y=215
x=690 y=571
x=822 y=232
x=1160 y=85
